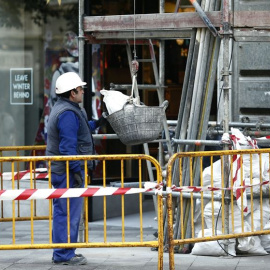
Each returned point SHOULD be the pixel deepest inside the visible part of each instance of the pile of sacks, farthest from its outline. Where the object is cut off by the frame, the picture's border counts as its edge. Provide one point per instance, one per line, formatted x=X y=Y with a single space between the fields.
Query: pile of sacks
x=259 y=245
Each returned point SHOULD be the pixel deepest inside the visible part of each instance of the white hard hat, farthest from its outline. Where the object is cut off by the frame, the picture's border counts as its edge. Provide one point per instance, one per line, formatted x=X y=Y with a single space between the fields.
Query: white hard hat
x=67 y=82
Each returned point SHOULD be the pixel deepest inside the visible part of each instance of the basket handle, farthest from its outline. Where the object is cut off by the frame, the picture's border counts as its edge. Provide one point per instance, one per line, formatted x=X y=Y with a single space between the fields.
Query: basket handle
x=134 y=91
x=105 y=114
x=165 y=104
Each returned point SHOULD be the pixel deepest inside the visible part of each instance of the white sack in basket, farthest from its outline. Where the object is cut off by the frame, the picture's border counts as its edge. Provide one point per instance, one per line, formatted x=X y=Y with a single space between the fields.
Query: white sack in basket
x=114 y=100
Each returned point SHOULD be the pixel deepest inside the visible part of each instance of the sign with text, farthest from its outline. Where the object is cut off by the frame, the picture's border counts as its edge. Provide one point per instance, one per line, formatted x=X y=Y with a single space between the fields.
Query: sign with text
x=21 y=86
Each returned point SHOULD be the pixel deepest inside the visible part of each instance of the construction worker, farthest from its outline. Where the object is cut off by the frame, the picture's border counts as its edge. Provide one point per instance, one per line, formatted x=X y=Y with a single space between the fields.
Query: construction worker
x=69 y=64
x=69 y=133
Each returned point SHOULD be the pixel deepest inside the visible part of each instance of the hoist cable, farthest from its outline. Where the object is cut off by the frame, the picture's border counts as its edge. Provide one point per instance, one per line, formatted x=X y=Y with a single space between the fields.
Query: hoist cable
x=134 y=29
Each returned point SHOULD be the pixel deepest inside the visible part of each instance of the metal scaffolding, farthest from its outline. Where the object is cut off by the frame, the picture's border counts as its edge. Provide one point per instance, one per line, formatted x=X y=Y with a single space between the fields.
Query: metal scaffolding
x=212 y=24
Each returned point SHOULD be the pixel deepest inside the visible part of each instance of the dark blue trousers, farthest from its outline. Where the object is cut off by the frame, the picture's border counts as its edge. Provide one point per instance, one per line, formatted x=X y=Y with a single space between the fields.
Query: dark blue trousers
x=60 y=219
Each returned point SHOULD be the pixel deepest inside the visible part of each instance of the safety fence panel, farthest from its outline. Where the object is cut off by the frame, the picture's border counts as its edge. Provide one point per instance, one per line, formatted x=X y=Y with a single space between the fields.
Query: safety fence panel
x=35 y=199
x=219 y=196
x=21 y=180
x=33 y=150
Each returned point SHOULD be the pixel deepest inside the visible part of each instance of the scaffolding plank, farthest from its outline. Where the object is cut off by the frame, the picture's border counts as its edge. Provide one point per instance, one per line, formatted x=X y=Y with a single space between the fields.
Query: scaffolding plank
x=160 y=21
x=91 y=39
x=252 y=19
x=251 y=34
x=114 y=25
x=158 y=34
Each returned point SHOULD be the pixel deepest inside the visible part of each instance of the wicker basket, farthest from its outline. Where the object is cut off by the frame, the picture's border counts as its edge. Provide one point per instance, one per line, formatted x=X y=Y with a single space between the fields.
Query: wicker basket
x=137 y=124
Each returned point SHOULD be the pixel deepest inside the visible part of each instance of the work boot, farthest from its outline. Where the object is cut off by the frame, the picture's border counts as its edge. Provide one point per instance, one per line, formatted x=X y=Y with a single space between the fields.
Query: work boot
x=78 y=259
x=76 y=255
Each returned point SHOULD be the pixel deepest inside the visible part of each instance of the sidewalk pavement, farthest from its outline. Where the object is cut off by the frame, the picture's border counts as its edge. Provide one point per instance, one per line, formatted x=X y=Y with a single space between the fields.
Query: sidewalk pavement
x=115 y=258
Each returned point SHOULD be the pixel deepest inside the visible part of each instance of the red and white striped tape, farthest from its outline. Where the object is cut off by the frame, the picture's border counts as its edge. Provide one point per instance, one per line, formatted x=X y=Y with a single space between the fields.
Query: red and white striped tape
x=201 y=189
x=39 y=173
x=239 y=139
x=264 y=138
x=35 y=194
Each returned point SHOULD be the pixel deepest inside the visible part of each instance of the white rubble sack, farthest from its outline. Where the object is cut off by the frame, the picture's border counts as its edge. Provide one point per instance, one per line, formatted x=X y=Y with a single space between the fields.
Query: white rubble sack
x=259 y=215
x=255 y=168
x=242 y=141
x=237 y=218
x=249 y=245
x=216 y=211
x=207 y=174
x=248 y=164
x=198 y=219
x=114 y=100
x=265 y=239
x=212 y=248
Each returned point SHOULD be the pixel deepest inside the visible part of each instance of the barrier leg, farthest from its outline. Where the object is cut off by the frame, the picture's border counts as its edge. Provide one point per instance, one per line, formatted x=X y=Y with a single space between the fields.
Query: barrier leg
x=170 y=231
x=81 y=226
x=160 y=233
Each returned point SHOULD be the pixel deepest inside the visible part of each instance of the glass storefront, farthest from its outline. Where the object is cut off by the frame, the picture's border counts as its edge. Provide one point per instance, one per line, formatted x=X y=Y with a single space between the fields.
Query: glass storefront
x=37 y=44
x=31 y=49
x=34 y=47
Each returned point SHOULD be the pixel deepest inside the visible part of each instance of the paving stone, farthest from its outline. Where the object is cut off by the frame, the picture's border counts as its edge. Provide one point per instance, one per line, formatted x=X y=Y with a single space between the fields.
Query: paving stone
x=117 y=258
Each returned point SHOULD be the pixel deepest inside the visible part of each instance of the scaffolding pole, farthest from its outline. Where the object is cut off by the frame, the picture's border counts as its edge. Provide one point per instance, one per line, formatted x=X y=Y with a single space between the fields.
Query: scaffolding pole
x=226 y=88
x=81 y=74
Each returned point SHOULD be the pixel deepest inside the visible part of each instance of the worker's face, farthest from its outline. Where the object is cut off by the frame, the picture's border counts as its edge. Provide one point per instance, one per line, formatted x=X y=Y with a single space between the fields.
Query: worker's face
x=78 y=97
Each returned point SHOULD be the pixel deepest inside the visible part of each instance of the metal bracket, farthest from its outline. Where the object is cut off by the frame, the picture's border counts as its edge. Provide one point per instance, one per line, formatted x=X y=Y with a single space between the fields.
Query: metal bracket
x=225 y=73
x=259 y=124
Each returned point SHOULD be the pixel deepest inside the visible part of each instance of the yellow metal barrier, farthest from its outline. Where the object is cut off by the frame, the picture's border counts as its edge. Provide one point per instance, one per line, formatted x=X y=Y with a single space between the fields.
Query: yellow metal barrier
x=107 y=161
x=206 y=199
x=19 y=151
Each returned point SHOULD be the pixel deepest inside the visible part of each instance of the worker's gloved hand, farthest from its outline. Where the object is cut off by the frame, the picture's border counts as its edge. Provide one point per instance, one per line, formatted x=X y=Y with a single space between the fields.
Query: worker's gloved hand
x=101 y=121
x=78 y=180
